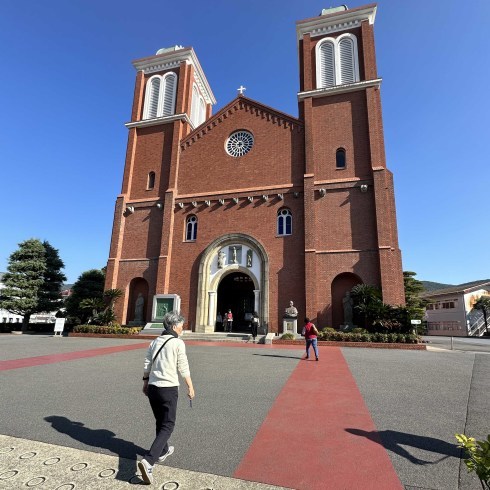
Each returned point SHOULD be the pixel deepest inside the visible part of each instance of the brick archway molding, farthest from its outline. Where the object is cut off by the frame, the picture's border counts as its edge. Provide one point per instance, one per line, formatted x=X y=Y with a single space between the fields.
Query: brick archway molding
x=210 y=276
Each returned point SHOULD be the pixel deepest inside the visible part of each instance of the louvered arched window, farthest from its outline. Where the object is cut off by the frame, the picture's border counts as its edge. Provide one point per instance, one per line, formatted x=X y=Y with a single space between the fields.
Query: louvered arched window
x=326 y=58
x=191 y=228
x=195 y=106
x=337 y=61
x=347 y=61
x=160 y=96
x=151 y=180
x=202 y=111
x=152 y=97
x=284 y=222
x=169 y=92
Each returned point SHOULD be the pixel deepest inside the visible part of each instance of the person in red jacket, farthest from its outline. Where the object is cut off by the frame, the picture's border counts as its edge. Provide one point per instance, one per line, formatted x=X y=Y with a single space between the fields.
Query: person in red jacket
x=310 y=333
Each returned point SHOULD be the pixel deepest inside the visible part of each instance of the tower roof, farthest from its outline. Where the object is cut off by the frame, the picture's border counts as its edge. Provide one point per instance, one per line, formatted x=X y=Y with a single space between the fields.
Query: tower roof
x=337 y=20
x=171 y=58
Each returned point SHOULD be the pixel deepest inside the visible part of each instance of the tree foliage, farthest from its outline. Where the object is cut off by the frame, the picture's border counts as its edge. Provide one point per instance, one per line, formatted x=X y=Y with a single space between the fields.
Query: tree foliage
x=33 y=280
x=413 y=288
x=483 y=304
x=89 y=286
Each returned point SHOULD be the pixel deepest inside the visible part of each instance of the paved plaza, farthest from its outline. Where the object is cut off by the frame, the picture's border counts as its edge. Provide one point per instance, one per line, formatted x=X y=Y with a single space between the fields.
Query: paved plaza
x=73 y=416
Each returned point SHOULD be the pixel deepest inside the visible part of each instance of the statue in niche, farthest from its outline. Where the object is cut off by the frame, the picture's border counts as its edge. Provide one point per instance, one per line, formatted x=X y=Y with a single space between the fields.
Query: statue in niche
x=291 y=311
x=235 y=261
x=221 y=259
x=348 y=304
x=249 y=258
x=138 y=308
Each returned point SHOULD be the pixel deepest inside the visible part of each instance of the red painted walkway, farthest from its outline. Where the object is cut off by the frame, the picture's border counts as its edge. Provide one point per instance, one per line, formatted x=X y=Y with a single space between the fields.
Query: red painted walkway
x=303 y=442
x=66 y=356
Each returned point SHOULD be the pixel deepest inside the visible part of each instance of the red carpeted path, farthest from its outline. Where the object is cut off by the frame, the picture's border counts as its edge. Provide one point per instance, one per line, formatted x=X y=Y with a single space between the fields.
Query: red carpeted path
x=304 y=441
x=66 y=356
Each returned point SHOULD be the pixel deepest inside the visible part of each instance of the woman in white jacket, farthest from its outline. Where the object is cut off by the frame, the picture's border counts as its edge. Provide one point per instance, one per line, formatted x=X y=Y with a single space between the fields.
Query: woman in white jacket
x=165 y=358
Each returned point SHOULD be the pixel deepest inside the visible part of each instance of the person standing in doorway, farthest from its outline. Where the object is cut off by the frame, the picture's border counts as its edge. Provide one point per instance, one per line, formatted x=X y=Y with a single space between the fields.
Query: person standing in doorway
x=229 y=320
x=310 y=334
x=165 y=358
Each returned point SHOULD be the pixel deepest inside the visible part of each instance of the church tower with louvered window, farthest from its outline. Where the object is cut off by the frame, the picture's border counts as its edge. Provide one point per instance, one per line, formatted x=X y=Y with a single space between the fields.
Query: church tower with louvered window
x=310 y=210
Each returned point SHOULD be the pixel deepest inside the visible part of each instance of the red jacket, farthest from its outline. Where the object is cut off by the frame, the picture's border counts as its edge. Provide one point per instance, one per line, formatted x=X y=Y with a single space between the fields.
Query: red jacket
x=309 y=331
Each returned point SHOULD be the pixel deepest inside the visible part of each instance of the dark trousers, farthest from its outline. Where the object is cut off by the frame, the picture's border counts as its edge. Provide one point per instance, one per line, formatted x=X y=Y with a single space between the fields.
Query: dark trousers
x=163 y=402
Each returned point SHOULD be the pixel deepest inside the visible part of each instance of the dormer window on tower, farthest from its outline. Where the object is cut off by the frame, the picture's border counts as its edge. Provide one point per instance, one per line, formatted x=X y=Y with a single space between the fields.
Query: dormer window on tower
x=337 y=61
x=160 y=96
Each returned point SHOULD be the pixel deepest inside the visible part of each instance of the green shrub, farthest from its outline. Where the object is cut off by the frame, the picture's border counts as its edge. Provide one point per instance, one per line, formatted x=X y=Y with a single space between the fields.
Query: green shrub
x=288 y=336
x=478 y=457
x=114 y=329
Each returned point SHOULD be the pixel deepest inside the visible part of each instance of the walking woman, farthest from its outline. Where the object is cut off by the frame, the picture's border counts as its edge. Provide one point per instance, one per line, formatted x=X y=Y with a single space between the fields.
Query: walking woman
x=310 y=333
x=165 y=358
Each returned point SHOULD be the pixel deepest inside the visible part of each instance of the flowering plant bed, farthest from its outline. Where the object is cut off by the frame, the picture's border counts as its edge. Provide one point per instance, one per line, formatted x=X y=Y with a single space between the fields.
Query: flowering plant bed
x=105 y=329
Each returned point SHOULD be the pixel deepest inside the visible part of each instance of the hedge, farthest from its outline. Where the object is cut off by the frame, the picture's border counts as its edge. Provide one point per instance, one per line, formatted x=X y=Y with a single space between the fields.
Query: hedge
x=107 y=330
x=384 y=338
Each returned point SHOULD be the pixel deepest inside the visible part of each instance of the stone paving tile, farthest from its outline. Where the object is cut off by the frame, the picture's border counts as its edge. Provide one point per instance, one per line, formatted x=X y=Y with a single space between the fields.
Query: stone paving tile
x=33 y=464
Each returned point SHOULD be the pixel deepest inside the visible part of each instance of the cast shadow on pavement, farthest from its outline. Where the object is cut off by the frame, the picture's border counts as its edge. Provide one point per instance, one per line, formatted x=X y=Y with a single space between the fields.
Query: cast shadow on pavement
x=104 y=439
x=393 y=440
x=277 y=355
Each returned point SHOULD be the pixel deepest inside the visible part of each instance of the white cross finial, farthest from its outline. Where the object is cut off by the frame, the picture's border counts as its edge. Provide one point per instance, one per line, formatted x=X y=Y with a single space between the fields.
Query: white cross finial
x=241 y=89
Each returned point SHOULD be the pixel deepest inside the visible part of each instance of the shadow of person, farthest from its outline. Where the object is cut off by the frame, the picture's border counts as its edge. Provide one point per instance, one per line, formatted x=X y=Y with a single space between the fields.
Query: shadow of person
x=393 y=441
x=278 y=355
x=105 y=439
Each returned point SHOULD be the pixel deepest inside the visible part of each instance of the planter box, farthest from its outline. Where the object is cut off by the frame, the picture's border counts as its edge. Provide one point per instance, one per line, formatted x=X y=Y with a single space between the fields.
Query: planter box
x=370 y=345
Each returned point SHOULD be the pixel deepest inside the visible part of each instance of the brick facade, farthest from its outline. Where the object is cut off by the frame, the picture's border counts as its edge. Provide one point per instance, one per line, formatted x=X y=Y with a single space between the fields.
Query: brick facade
x=343 y=234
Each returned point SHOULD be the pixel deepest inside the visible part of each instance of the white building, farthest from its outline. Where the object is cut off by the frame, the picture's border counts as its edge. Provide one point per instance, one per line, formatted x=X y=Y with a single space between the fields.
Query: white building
x=450 y=310
x=6 y=316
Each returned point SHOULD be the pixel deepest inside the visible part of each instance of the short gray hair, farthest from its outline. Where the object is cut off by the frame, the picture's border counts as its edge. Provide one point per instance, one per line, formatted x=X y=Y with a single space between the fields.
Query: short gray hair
x=172 y=318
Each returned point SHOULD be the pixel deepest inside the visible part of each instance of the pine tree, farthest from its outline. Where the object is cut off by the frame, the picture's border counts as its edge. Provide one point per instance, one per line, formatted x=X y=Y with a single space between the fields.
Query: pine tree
x=90 y=285
x=24 y=280
x=414 y=303
x=50 y=294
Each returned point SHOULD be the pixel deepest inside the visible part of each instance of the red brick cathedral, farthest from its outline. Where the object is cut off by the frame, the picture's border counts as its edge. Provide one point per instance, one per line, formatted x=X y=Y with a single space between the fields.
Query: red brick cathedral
x=250 y=208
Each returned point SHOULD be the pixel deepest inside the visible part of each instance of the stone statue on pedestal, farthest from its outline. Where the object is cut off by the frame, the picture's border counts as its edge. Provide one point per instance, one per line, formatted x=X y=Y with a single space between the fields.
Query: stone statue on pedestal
x=138 y=308
x=348 y=304
x=291 y=311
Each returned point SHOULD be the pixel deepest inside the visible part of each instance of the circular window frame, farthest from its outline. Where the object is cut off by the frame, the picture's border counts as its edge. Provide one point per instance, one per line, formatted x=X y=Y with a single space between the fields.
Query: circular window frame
x=239 y=143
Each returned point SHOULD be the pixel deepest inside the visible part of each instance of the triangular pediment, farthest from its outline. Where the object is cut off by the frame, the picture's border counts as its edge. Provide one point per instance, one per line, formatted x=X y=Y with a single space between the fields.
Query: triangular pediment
x=242 y=103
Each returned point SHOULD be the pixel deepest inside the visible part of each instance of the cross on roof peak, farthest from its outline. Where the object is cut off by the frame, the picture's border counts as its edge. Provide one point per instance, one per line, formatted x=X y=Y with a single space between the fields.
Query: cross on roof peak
x=241 y=89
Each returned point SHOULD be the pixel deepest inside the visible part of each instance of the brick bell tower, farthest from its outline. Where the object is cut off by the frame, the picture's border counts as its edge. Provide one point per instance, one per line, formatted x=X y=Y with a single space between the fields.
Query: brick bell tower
x=171 y=98
x=350 y=222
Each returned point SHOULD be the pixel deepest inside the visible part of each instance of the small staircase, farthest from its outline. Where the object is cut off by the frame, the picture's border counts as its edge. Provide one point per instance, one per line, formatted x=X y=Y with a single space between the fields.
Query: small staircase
x=222 y=337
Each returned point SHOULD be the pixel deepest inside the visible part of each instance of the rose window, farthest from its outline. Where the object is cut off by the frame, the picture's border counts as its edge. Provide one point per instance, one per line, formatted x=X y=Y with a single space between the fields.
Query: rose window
x=239 y=143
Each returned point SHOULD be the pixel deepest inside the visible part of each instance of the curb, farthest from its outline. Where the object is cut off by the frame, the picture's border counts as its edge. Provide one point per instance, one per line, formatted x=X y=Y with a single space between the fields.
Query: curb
x=370 y=345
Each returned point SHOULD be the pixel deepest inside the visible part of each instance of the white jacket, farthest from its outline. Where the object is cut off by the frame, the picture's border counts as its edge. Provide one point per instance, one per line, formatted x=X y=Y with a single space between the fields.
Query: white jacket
x=172 y=358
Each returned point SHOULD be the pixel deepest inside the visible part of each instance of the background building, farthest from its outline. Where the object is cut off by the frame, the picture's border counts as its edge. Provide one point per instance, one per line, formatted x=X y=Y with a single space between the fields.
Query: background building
x=250 y=208
x=450 y=310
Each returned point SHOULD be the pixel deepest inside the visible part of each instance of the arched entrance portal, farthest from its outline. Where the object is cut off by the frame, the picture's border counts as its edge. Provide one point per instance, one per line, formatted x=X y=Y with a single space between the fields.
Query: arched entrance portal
x=340 y=285
x=234 y=270
x=236 y=293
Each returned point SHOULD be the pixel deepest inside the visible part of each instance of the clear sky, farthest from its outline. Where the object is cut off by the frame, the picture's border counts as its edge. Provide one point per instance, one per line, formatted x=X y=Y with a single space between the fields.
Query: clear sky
x=67 y=86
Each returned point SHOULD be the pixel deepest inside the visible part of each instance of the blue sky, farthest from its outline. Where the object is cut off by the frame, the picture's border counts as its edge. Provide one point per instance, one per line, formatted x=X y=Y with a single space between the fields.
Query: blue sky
x=67 y=88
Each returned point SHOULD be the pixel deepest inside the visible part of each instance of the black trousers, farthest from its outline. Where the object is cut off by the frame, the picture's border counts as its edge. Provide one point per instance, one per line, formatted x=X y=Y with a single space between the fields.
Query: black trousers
x=163 y=402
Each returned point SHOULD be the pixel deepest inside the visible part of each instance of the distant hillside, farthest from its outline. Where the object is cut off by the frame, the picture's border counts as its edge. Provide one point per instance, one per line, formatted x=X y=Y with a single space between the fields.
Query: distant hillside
x=432 y=286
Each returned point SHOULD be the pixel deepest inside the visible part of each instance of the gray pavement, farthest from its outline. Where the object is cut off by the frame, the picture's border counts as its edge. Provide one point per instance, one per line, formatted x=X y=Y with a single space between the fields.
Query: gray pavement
x=417 y=399
x=471 y=344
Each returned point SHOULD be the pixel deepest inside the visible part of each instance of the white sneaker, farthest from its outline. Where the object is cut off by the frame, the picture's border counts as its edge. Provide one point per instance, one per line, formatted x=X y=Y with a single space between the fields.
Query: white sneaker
x=146 y=471
x=170 y=451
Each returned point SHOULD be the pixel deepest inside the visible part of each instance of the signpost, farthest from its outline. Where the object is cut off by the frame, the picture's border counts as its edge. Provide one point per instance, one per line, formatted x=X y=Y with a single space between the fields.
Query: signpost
x=59 y=325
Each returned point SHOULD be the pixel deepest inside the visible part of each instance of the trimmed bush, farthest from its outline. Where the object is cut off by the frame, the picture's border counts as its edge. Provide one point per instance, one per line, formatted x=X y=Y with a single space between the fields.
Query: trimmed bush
x=114 y=330
x=363 y=336
x=287 y=336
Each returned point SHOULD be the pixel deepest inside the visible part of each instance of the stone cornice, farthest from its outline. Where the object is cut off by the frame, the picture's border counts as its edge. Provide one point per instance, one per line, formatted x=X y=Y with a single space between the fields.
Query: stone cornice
x=159 y=120
x=338 y=21
x=172 y=59
x=339 y=89
x=242 y=102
